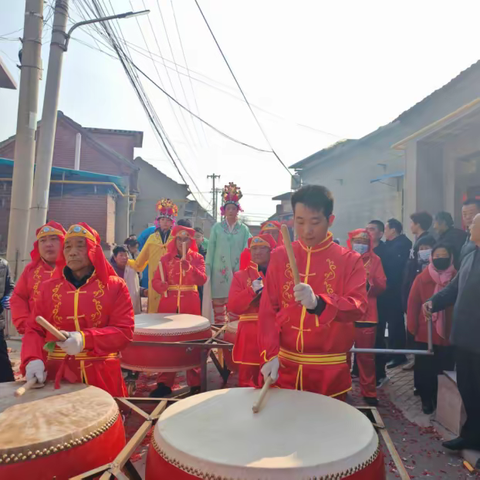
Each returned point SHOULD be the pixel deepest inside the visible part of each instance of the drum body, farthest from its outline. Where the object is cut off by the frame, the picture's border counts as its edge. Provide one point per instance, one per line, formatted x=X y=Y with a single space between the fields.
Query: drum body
x=50 y=433
x=296 y=436
x=165 y=328
x=229 y=336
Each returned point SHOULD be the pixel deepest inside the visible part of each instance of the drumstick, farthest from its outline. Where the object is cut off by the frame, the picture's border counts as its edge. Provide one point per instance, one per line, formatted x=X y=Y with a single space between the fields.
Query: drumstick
x=162 y=275
x=27 y=386
x=50 y=328
x=291 y=257
x=184 y=250
x=258 y=404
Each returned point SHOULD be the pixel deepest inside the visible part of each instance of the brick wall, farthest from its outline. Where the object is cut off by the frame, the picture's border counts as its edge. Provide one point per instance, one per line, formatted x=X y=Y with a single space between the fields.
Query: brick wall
x=122 y=144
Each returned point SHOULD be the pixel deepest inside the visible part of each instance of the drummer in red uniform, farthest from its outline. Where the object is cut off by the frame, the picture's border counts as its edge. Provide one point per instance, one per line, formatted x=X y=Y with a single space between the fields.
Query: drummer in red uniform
x=361 y=242
x=46 y=250
x=272 y=228
x=179 y=292
x=244 y=300
x=306 y=330
x=92 y=306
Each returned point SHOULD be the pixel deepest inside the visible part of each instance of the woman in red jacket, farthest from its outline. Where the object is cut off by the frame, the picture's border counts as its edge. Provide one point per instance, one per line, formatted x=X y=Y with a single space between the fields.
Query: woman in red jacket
x=434 y=278
x=365 y=331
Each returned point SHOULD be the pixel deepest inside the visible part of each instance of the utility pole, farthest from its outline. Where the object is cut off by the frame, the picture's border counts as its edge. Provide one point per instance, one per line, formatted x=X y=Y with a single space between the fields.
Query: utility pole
x=24 y=156
x=214 y=192
x=48 y=128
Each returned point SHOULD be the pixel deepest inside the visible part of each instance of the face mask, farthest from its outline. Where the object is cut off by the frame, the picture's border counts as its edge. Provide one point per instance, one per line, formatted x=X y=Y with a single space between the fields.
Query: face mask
x=360 y=248
x=441 y=263
x=424 y=255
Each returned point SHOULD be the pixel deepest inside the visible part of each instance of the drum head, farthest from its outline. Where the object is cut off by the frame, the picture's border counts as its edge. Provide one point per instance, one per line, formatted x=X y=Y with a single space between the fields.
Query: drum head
x=169 y=324
x=45 y=417
x=296 y=435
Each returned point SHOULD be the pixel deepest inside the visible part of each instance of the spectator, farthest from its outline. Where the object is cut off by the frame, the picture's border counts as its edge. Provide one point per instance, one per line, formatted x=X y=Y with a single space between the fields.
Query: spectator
x=142 y=240
x=133 y=247
x=185 y=222
x=6 y=288
x=119 y=263
x=420 y=224
x=462 y=292
x=449 y=235
x=437 y=276
x=376 y=229
x=397 y=252
x=199 y=240
x=471 y=208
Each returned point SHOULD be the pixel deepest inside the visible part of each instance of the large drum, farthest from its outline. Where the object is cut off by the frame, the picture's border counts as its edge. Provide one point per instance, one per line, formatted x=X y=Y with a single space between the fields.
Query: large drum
x=296 y=436
x=229 y=336
x=50 y=433
x=165 y=328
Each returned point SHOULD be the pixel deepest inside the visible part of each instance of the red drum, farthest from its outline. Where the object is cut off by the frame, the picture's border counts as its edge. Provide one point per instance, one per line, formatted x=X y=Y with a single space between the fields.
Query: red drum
x=165 y=328
x=50 y=433
x=296 y=436
x=229 y=336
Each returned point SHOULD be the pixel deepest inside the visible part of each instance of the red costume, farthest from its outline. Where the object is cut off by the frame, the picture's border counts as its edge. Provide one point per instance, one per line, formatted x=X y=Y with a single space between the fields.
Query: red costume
x=35 y=274
x=243 y=301
x=312 y=349
x=273 y=228
x=181 y=288
x=100 y=309
x=366 y=327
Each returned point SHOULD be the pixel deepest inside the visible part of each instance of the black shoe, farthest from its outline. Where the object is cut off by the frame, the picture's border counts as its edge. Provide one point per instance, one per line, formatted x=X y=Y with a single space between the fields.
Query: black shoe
x=371 y=401
x=456 y=444
x=428 y=408
x=194 y=390
x=396 y=363
x=161 y=391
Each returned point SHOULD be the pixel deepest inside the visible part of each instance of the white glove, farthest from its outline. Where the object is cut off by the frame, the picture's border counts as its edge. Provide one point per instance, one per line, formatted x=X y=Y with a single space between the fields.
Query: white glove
x=305 y=295
x=257 y=285
x=270 y=369
x=73 y=345
x=36 y=369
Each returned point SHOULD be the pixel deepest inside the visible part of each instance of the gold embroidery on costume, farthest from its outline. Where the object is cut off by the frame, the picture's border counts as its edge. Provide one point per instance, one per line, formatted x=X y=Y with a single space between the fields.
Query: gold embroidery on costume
x=57 y=301
x=37 y=278
x=286 y=295
x=95 y=317
x=329 y=276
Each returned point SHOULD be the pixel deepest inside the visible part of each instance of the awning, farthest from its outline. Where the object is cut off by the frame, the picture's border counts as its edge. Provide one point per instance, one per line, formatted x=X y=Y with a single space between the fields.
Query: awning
x=386 y=176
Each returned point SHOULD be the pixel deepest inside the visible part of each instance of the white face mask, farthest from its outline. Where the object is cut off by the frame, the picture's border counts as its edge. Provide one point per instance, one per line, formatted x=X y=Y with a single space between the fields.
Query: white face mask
x=424 y=255
x=360 y=248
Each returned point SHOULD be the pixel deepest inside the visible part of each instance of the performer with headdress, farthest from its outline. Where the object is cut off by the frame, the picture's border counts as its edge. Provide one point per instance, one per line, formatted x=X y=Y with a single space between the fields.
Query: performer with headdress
x=307 y=327
x=227 y=241
x=366 y=328
x=46 y=250
x=273 y=228
x=244 y=300
x=179 y=276
x=91 y=305
x=156 y=247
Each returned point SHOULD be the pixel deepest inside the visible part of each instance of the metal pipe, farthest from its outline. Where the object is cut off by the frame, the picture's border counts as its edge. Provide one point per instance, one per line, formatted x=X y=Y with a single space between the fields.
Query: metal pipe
x=390 y=351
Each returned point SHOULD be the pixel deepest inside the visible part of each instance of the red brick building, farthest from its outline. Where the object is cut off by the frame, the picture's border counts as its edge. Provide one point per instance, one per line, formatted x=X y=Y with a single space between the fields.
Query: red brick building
x=94 y=178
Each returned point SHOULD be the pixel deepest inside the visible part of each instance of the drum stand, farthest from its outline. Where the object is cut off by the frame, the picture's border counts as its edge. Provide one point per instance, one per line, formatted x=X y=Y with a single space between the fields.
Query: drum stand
x=206 y=347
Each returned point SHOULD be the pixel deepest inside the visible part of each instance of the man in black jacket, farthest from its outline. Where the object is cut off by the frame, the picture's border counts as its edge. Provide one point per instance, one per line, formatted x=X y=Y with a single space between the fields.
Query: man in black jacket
x=463 y=292
x=471 y=208
x=449 y=235
x=397 y=252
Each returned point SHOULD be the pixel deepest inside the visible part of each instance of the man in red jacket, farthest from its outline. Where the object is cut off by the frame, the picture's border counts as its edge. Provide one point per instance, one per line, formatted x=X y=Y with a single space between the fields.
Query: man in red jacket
x=244 y=300
x=92 y=306
x=46 y=250
x=306 y=330
x=365 y=328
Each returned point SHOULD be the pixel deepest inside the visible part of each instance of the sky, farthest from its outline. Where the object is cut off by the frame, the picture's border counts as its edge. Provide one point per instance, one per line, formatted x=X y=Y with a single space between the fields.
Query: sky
x=315 y=72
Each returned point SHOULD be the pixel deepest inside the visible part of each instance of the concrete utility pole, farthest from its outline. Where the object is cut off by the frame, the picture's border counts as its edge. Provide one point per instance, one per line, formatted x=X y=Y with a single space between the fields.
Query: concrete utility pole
x=48 y=127
x=214 y=191
x=24 y=156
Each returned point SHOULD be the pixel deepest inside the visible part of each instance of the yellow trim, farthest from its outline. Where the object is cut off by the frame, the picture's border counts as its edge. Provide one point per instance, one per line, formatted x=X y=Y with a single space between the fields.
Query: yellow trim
x=248 y=317
x=310 y=359
x=183 y=288
x=51 y=231
x=60 y=355
x=328 y=241
x=83 y=340
x=304 y=310
x=75 y=309
x=340 y=393
x=259 y=242
x=84 y=233
x=264 y=356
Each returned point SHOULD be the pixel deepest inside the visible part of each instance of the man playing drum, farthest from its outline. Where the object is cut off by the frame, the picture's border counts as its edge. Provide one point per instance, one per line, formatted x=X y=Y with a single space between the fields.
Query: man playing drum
x=180 y=272
x=306 y=330
x=92 y=307
x=244 y=300
x=46 y=250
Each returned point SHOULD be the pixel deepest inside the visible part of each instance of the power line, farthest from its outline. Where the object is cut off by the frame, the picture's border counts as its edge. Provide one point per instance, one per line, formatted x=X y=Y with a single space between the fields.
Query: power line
x=240 y=88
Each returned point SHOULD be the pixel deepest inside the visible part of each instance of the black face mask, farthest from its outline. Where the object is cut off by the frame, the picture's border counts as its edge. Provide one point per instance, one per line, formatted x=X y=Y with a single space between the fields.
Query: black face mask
x=441 y=263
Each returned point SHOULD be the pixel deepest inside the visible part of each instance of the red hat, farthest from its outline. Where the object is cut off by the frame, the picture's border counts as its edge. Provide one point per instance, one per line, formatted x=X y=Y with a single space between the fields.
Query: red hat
x=272 y=225
x=50 y=228
x=181 y=231
x=360 y=233
x=102 y=266
x=265 y=240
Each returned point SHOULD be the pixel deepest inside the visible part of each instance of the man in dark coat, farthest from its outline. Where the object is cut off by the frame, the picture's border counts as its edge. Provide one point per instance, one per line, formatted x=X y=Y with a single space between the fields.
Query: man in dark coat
x=449 y=235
